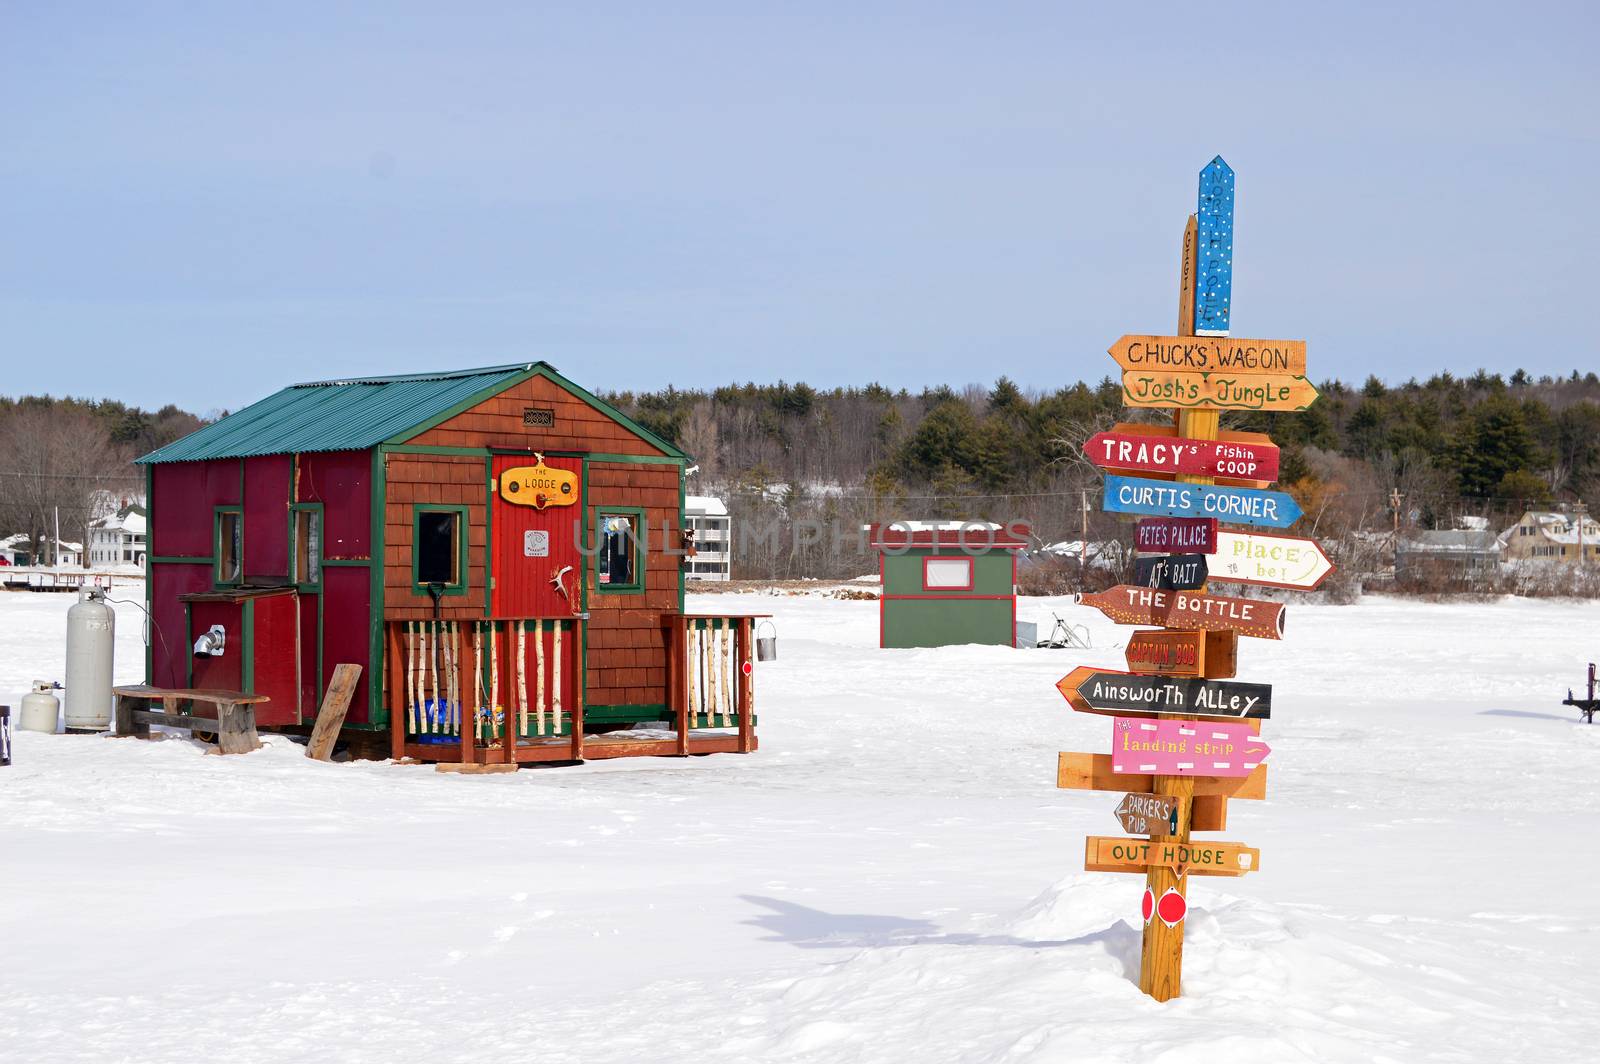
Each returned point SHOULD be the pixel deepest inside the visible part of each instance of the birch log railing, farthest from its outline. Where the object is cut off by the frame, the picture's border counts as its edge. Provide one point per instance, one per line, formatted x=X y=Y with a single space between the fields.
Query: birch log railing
x=485 y=684
x=709 y=675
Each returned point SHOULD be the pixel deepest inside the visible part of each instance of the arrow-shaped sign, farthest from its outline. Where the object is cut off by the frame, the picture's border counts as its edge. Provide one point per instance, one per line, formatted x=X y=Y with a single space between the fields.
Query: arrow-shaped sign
x=1127 y=604
x=1148 y=814
x=1267 y=560
x=1188 y=535
x=1217 y=391
x=1147 y=450
x=1171 y=572
x=1213 y=288
x=1092 y=772
x=1105 y=854
x=1163 y=498
x=1116 y=693
x=1209 y=354
x=1184 y=747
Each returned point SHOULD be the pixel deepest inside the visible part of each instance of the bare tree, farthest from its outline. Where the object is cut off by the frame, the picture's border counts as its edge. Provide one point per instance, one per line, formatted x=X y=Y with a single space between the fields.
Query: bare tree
x=56 y=464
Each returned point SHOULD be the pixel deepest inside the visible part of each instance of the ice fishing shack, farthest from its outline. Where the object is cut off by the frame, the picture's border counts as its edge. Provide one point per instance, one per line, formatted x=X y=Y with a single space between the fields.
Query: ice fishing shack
x=947 y=582
x=500 y=550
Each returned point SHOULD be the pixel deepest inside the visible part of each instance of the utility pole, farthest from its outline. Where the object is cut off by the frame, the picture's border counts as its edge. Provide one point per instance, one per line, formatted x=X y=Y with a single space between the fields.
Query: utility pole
x=1083 y=544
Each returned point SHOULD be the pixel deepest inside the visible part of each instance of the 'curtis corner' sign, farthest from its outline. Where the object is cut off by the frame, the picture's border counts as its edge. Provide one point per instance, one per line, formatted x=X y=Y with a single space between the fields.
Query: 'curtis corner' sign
x=1161 y=498
x=539 y=486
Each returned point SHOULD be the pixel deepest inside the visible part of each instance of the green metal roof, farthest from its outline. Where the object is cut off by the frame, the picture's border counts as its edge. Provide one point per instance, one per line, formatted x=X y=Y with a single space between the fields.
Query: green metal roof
x=358 y=413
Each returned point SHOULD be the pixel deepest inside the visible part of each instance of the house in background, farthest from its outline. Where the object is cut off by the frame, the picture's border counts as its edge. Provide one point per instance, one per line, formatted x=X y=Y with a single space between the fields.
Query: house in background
x=1452 y=552
x=118 y=538
x=707 y=517
x=1552 y=536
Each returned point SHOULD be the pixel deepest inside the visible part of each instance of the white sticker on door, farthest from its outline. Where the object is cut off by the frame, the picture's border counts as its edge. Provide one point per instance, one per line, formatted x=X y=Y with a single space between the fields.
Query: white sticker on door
x=536 y=544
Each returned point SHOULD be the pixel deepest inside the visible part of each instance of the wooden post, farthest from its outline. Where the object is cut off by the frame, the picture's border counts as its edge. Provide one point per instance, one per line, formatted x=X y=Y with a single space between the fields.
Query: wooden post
x=1161 y=962
x=686 y=710
x=744 y=647
x=469 y=703
x=580 y=670
x=508 y=736
x=399 y=707
x=330 y=717
x=236 y=728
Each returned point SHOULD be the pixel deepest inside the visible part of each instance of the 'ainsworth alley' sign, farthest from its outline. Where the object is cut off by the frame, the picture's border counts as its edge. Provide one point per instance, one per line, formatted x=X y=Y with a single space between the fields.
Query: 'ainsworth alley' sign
x=1100 y=691
x=1127 y=604
x=1160 y=498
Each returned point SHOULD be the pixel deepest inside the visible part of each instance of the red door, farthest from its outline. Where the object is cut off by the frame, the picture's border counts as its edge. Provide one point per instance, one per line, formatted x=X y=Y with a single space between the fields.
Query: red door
x=534 y=516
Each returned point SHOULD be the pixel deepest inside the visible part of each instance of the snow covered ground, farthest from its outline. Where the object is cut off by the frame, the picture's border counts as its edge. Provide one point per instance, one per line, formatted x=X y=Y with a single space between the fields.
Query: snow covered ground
x=893 y=877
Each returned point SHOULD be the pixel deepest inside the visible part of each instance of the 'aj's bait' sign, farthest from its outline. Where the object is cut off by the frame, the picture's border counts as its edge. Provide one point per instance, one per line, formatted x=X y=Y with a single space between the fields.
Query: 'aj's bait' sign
x=1175 y=572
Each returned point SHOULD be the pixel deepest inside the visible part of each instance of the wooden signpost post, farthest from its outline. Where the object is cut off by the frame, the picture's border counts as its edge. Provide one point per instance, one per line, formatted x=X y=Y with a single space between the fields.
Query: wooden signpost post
x=1171 y=749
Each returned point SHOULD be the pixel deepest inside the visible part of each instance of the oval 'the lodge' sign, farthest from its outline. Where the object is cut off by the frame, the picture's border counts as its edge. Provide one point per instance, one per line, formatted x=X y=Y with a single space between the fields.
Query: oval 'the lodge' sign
x=539 y=486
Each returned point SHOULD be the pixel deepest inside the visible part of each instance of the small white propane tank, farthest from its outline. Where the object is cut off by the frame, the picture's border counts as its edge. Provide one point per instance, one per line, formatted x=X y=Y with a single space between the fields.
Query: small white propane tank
x=91 y=635
x=40 y=708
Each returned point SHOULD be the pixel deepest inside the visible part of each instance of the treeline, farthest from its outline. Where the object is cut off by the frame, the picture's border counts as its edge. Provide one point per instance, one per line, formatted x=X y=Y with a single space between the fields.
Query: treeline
x=69 y=460
x=1484 y=446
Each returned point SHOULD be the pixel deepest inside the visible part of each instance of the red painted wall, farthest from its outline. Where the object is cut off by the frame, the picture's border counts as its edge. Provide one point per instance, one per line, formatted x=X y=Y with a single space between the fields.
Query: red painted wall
x=342 y=482
x=226 y=672
x=182 y=497
x=346 y=598
x=522 y=585
x=169 y=639
x=266 y=519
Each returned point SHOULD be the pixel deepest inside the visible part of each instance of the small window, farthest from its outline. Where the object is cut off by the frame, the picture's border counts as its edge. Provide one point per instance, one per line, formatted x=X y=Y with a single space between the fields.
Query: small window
x=947 y=574
x=307 y=545
x=439 y=549
x=619 y=562
x=230 y=546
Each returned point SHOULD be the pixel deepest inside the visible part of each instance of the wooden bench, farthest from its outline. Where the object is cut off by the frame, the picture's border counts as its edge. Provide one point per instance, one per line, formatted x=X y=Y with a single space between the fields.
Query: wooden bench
x=235 y=722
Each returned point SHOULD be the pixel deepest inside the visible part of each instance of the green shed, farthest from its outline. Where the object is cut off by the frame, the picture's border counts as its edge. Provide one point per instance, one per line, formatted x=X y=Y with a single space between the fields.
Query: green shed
x=947 y=583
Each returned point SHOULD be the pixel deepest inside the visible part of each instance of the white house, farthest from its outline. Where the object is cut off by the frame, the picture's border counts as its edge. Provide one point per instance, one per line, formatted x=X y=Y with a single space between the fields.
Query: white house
x=119 y=538
x=707 y=517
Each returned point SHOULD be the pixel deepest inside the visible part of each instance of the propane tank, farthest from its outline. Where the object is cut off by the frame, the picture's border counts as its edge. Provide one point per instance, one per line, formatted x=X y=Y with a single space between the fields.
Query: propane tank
x=40 y=709
x=91 y=634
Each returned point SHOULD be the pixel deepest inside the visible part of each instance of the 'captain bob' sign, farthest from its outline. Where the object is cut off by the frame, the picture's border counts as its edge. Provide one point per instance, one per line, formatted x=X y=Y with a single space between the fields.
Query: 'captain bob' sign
x=539 y=486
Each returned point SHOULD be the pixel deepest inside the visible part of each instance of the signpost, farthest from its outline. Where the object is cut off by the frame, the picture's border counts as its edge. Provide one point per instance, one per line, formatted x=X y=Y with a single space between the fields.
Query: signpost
x=1169 y=748
x=1161 y=498
x=1184 y=748
x=1127 y=604
x=1217 y=391
x=1144 y=453
x=1148 y=814
x=1193 y=535
x=1210 y=354
x=1173 y=572
x=1267 y=560
x=1115 y=693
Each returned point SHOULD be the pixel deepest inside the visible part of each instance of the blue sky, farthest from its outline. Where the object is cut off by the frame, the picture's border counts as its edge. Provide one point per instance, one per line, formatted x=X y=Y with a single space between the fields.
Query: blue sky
x=201 y=203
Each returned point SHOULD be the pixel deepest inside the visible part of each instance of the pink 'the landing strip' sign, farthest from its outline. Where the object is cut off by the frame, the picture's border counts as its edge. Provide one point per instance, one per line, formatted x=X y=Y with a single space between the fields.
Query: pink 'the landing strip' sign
x=1184 y=747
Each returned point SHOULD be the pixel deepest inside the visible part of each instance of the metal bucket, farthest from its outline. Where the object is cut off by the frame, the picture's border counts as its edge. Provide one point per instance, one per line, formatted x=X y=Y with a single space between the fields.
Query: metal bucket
x=766 y=645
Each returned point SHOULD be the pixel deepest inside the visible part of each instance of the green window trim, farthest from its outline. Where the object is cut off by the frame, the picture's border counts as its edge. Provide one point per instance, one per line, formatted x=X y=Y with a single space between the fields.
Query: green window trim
x=459 y=585
x=217 y=514
x=295 y=510
x=637 y=513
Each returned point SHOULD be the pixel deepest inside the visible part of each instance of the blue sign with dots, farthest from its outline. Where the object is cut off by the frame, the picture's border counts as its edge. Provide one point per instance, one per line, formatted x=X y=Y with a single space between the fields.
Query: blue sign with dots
x=1213 y=290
